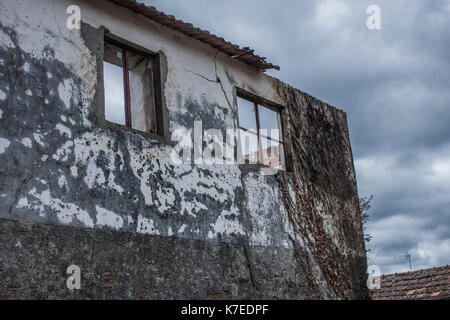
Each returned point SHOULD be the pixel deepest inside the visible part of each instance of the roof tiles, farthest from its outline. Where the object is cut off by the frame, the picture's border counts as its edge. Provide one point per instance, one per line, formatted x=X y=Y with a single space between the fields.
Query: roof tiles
x=429 y=284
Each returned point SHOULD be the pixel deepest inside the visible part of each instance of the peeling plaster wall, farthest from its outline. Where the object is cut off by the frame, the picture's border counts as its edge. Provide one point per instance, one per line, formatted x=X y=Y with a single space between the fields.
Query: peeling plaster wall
x=61 y=168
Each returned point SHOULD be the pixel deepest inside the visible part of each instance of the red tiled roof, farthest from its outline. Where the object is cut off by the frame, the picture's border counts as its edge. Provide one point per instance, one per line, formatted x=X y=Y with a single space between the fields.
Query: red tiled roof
x=430 y=284
x=245 y=55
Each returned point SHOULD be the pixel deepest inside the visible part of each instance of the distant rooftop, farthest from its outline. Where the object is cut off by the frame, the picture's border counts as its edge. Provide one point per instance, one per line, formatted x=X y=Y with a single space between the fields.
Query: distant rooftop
x=430 y=284
x=245 y=54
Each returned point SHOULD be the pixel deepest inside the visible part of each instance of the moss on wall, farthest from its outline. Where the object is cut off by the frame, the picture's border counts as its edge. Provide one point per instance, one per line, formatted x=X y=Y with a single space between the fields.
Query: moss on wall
x=321 y=197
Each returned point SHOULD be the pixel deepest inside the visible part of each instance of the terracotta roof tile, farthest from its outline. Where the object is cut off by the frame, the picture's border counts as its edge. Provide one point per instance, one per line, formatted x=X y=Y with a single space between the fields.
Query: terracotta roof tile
x=435 y=294
x=417 y=285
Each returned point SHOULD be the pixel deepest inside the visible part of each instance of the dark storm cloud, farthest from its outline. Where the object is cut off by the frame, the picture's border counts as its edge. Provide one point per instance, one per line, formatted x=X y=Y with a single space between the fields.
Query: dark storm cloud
x=394 y=86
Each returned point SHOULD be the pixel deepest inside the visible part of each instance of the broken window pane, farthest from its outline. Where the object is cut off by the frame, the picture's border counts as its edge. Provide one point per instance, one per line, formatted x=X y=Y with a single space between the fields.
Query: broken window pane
x=246 y=113
x=272 y=153
x=142 y=97
x=249 y=146
x=114 y=84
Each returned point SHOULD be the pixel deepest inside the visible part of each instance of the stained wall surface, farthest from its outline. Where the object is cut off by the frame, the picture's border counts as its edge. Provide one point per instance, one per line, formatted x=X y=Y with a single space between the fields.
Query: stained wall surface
x=74 y=191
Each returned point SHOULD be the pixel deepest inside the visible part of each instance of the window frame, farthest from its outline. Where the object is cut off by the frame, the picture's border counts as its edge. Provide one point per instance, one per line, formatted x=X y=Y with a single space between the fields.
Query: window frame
x=161 y=114
x=280 y=110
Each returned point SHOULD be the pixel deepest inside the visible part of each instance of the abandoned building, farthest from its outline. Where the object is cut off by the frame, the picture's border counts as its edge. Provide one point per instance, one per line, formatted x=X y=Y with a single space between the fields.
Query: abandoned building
x=428 y=284
x=164 y=163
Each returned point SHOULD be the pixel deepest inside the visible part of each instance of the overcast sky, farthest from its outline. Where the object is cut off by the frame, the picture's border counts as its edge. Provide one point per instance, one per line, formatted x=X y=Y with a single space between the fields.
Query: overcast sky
x=394 y=85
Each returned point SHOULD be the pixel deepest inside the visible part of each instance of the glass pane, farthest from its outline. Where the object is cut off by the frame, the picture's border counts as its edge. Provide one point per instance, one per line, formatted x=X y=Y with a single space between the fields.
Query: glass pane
x=247 y=116
x=114 y=93
x=272 y=153
x=141 y=92
x=269 y=120
x=114 y=86
x=249 y=145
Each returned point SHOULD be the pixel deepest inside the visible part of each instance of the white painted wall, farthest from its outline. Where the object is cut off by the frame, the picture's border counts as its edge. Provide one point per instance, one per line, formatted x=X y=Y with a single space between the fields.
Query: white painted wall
x=43 y=23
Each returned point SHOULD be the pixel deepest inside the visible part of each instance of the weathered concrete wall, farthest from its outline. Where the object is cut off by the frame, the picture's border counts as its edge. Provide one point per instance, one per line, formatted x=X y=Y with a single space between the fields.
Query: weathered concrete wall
x=123 y=265
x=64 y=171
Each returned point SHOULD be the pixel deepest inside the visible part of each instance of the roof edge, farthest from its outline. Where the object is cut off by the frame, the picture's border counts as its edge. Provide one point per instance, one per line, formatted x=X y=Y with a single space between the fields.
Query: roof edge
x=245 y=55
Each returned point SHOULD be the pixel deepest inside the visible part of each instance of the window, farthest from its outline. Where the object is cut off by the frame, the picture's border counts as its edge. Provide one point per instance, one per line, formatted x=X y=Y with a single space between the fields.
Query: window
x=260 y=133
x=130 y=87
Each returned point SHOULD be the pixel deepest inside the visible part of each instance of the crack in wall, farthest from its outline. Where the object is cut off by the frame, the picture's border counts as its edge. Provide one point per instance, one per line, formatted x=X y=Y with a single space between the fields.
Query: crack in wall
x=249 y=265
x=221 y=85
x=201 y=76
x=217 y=80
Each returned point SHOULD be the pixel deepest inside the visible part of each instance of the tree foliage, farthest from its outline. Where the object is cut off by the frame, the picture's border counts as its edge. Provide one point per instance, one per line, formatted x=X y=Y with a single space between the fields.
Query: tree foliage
x=365 y=205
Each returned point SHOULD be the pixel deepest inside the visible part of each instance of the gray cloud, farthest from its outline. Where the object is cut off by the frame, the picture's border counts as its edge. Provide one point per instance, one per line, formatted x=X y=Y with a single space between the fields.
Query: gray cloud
x=394 y=86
